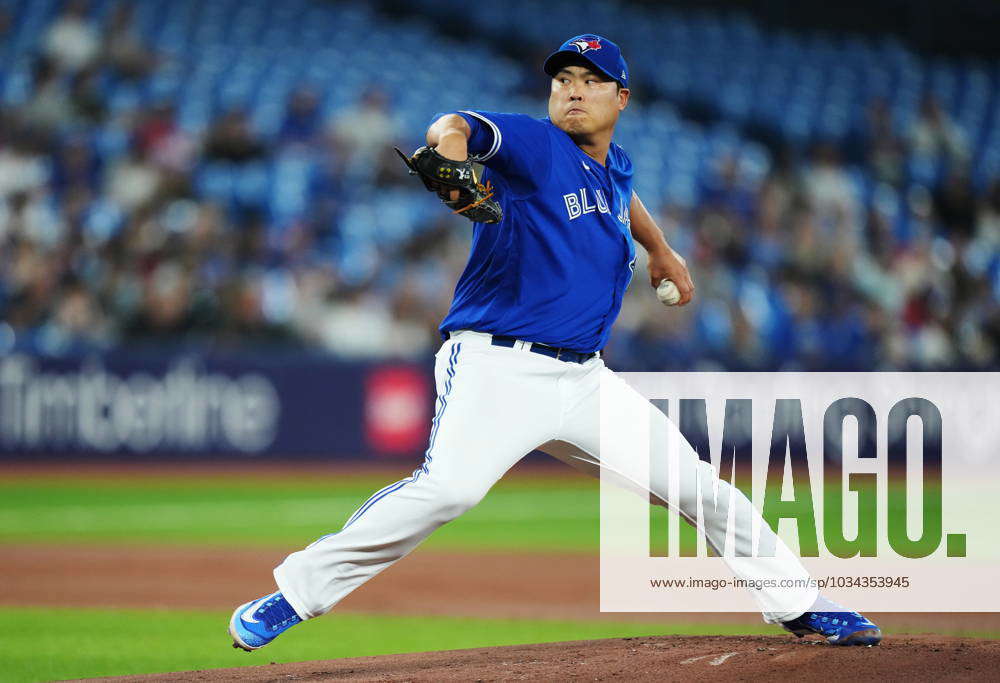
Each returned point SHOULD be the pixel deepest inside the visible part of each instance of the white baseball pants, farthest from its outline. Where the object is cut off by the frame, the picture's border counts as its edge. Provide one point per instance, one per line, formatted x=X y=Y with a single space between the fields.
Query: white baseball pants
x=496 y=404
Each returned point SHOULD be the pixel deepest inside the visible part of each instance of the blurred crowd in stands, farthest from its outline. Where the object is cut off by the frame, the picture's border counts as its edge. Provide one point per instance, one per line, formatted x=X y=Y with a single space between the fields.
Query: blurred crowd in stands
x=112 y=234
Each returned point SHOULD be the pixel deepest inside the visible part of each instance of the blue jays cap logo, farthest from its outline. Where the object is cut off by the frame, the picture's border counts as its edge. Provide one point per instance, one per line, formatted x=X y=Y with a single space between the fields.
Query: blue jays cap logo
x=599 y=51
x=585 y=45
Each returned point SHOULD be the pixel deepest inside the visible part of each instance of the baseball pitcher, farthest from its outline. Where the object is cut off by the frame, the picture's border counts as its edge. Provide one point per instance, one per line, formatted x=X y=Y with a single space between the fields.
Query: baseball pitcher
x=553 y=250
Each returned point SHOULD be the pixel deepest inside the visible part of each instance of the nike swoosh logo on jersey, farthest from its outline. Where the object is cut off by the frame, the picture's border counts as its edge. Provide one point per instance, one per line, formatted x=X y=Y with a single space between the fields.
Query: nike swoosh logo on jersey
x=247 y=615
x=585 y=165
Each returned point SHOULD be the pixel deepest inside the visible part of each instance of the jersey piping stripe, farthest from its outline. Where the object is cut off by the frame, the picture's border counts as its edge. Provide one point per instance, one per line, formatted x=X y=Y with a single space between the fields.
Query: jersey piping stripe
x=497 y=138
x=391 y=488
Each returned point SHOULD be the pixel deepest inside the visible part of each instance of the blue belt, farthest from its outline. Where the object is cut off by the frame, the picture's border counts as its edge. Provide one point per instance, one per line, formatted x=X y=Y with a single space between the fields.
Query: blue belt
x=551 y=351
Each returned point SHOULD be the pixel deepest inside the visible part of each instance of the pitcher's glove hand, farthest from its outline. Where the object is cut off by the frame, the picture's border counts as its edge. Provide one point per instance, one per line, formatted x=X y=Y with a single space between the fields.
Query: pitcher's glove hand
x=444 y=176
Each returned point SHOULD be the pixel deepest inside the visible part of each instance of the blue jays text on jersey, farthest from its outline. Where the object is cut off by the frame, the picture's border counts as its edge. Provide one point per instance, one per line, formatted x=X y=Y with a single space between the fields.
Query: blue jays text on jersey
x=554 y=270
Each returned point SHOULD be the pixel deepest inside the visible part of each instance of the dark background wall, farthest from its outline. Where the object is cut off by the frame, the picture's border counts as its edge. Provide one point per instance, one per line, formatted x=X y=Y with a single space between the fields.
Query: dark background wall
x=956 y=27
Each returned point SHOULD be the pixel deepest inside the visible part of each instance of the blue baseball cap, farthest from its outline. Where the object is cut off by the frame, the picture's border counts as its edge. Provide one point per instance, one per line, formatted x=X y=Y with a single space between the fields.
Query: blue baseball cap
x=598 y=51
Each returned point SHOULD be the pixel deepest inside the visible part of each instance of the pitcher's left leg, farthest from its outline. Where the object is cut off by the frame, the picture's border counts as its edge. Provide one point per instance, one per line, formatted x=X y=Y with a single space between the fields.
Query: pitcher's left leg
x=799 y=610
x=697 y=480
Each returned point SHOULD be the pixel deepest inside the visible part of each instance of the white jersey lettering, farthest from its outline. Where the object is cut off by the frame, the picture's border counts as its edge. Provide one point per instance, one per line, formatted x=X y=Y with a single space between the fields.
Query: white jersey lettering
x=623 y=215
x=578 y=203
x=602 y=203
x=572 y=205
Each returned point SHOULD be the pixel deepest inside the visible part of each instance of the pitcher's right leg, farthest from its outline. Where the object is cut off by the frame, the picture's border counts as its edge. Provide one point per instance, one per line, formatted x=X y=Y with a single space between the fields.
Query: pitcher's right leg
x=493 y=408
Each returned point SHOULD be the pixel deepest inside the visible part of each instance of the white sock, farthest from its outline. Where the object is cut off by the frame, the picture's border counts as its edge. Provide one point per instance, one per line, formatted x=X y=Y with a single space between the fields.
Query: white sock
x=824 y=605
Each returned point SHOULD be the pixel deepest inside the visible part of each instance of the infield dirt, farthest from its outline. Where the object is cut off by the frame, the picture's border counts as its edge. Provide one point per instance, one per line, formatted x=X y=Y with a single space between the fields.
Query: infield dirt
x=428 y=582
x=666 y=658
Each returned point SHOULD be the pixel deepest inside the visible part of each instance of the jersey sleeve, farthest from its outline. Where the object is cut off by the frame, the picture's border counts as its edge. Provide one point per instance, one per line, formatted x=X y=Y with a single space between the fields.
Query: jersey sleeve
x=621 y=169
x=516 y=146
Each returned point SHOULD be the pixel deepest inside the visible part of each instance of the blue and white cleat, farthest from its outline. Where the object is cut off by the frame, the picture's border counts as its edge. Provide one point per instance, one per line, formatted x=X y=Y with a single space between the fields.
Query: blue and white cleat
x=255 y=624
x=839 y=628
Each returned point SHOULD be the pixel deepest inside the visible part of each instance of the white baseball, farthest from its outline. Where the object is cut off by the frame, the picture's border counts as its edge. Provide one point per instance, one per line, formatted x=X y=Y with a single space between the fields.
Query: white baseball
x=667 y=293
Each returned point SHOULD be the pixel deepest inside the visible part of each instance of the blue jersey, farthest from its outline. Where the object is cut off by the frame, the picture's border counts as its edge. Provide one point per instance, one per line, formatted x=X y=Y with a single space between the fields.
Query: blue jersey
x=554 y=270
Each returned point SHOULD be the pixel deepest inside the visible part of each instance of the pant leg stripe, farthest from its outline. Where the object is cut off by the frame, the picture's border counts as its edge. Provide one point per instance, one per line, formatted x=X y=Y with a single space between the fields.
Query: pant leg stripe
x=444 y=403
x=395 y=487
x=383 y=492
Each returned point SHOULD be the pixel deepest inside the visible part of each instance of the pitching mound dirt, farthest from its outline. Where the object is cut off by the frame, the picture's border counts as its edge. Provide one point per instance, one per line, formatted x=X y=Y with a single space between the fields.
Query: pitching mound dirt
x=685 y=658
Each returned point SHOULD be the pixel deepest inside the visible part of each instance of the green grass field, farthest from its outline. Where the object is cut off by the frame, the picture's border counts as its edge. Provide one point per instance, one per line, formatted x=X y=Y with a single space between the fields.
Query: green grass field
x=521 y=514
x=53 y=644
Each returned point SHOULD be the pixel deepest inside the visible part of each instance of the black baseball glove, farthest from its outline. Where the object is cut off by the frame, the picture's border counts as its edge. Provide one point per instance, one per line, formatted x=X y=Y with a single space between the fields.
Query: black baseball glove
x=442 y=176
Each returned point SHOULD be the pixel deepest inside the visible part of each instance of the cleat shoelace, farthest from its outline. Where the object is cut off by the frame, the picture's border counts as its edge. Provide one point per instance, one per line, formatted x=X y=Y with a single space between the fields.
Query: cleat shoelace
x=276 y=614
x=828 y=624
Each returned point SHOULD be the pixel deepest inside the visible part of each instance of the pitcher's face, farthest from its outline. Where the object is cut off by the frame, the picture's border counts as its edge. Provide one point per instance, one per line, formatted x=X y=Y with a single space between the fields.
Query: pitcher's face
x=585 y=102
